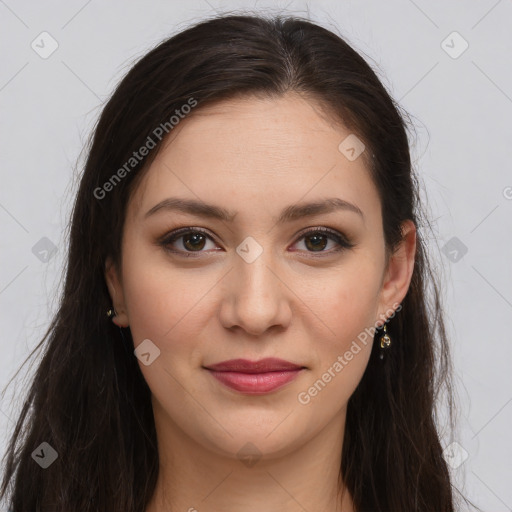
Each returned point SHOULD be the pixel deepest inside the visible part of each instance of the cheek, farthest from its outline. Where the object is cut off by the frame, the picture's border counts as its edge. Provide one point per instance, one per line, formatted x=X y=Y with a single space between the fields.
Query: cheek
x=170 y=305
x=165 y=304
x=348 y=307
x=346 y=300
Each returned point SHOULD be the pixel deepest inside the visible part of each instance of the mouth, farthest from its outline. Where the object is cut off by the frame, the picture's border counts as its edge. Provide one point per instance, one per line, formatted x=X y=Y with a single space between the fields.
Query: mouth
x=255 y=377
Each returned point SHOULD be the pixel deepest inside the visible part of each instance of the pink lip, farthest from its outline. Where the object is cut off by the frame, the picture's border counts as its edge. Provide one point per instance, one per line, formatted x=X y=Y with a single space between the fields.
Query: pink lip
x=256 y=377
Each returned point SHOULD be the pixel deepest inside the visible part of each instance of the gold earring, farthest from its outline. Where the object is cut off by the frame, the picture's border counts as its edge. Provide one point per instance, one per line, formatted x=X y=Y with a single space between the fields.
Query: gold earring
x=385 y=342
x=111 y=312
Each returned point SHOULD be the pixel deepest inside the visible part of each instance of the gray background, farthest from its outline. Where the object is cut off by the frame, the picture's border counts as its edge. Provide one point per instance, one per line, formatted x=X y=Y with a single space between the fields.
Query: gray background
x=461 y=104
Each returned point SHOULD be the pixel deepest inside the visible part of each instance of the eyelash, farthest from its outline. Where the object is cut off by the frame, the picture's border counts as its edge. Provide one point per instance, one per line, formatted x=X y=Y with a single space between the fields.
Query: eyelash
x=171 y=237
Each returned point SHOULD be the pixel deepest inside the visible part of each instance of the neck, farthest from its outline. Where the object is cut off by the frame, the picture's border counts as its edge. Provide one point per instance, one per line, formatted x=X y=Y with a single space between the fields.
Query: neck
x=193 y=477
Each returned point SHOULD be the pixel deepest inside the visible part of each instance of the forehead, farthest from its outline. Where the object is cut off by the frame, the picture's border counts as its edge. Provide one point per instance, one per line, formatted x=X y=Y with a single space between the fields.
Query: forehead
x=251 y=147
x=287 y=125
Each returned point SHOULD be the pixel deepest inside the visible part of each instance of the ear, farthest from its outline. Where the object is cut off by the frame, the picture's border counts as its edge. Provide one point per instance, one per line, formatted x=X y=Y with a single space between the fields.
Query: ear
x=115 y=289
x=398 y=273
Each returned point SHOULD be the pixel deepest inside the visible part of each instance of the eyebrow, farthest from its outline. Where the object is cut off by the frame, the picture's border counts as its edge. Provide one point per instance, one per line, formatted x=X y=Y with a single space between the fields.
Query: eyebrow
x=288 y=214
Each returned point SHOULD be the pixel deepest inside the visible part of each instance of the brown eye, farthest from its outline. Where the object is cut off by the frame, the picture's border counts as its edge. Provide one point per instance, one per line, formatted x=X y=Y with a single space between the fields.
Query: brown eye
x=193 y=241
x=186 y=241
x=316 y=240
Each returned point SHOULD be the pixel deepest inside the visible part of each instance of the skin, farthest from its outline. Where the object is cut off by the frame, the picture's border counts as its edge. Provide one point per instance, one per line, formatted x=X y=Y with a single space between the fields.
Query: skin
x=305 y=305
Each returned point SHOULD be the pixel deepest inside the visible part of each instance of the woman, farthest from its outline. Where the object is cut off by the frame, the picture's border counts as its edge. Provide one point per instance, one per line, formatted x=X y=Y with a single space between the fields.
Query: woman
x=249 y=320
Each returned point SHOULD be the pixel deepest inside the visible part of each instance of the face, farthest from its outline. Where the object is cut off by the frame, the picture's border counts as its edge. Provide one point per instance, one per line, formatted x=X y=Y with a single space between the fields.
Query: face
x=266 y=281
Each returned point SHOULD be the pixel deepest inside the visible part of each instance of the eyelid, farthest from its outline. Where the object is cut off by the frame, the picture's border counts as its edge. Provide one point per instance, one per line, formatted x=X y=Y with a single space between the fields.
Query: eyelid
x=176 y=233
x=344 y=240
x=340 y=238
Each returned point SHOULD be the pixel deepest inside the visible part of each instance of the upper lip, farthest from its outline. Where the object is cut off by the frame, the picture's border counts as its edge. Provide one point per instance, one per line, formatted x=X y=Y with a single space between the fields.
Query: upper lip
x=270 y=364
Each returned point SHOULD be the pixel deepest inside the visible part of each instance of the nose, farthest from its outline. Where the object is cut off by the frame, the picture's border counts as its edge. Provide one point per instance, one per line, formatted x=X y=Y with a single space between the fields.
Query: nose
x=256 y=297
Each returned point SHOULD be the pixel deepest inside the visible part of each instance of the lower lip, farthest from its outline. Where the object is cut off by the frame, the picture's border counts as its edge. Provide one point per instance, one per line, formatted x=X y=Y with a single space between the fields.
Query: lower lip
x=255 y=383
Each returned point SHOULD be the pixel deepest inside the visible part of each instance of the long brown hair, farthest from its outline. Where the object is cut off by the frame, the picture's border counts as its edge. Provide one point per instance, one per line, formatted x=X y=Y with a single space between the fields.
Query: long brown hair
x=88 y=399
